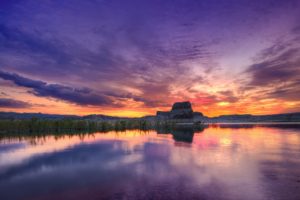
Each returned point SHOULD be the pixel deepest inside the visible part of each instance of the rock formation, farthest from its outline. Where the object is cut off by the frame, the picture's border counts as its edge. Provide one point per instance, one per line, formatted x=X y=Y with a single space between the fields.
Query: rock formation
x=180 y=110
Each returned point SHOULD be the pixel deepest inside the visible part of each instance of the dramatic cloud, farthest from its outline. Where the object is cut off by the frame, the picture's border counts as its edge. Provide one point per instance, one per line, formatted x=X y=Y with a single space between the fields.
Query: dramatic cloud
x=278 y=70
x=11 y=103
x=144 y=55
x=79 y=96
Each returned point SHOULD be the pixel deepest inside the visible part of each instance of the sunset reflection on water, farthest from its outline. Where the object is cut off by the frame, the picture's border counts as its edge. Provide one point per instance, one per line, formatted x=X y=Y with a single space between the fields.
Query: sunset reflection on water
x=216 y=163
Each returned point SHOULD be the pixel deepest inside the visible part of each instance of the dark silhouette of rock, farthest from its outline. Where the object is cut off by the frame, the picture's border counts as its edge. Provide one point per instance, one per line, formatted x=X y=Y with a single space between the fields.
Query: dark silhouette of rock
x=163 y=114
x=181 y=110
x=183 y=135
x=198 y=114
x=182 y=105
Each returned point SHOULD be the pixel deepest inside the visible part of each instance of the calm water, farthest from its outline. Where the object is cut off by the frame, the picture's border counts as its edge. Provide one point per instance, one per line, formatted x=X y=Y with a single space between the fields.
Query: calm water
x=217 y=163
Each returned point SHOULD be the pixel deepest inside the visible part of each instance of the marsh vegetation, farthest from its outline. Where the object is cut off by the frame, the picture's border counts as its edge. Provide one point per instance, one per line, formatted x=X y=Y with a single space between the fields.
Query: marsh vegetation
x=37 y=126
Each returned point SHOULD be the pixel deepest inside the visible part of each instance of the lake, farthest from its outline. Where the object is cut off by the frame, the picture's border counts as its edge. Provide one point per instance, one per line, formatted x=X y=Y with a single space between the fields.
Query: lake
x=220 y=162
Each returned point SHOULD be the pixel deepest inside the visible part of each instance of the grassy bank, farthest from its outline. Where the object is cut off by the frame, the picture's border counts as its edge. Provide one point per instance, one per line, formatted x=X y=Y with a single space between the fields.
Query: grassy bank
x=36 y=127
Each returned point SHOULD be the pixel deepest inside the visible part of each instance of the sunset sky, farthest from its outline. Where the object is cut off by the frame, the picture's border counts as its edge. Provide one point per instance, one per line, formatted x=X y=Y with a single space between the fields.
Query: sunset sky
x=134 y=57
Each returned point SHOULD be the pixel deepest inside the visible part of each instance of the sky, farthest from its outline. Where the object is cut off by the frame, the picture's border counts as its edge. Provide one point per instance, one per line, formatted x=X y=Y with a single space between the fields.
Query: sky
x=134 y=57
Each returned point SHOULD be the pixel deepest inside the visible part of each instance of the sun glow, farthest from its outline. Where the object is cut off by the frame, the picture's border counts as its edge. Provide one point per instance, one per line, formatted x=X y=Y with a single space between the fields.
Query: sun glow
x=223 y=103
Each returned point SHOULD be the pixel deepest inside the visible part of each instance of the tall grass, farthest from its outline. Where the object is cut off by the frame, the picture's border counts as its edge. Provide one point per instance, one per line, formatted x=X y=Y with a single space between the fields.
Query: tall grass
x=37 y=126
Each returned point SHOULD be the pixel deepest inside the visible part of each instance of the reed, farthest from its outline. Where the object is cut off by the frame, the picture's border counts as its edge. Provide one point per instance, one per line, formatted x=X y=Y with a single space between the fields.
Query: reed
x=37 y=126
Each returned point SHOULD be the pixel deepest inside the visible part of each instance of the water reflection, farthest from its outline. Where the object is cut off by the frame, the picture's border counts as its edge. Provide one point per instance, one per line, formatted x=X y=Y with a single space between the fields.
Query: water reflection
x=183 y=134
x=215 y=163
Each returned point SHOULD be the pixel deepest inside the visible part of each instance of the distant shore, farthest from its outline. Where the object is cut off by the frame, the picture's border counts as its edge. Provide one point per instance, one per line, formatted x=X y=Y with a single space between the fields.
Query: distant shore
x=247 y=118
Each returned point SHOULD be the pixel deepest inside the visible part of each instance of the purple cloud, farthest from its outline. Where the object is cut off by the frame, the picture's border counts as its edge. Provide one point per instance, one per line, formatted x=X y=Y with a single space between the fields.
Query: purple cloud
x=277 y=69
x=82 y=96
x=12 y=103
x=145 y=51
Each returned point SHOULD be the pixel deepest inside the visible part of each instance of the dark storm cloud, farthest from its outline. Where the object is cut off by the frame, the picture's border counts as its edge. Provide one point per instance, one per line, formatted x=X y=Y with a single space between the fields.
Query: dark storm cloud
x=21 y=81
x=12 y=103
x=39 y=88
x=278 y=69
x=284 y=67
x=80 y=96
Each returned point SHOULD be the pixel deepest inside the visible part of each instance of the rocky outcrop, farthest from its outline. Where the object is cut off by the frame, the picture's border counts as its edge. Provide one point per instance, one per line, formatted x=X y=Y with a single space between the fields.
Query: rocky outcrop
x=198 y=114
x=163 y=115
x=180 y=110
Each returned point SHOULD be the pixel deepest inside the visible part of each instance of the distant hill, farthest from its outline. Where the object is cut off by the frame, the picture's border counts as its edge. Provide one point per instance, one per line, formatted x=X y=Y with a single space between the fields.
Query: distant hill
x=14 y=115
x=102 y=117
x=286 y=117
